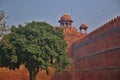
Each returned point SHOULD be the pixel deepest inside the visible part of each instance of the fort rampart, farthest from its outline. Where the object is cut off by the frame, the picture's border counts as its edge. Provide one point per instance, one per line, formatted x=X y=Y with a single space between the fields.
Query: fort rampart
x=96 y=56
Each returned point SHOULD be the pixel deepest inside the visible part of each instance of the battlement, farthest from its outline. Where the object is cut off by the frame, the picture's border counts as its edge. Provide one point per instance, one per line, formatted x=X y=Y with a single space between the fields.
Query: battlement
x=69 y=30
x=98 y=53
x=104 y=28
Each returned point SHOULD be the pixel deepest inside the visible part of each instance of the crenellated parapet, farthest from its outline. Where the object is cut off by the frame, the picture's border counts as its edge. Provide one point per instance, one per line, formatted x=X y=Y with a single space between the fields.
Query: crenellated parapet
x=104 y=28
x=98 y=53
x=95 y=56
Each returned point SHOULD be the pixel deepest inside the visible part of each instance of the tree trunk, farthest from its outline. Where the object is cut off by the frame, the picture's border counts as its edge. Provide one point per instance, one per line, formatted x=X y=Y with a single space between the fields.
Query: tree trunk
x=32 y=75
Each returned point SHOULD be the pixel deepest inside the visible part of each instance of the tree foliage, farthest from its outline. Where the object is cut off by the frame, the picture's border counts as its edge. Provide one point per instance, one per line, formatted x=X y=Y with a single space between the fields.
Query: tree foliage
x=3 y=28
x=37 y=45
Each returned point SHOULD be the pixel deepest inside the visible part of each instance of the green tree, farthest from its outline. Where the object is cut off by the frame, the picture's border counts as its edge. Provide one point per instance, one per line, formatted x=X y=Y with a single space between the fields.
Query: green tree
x=3 y=28
x=37 y=45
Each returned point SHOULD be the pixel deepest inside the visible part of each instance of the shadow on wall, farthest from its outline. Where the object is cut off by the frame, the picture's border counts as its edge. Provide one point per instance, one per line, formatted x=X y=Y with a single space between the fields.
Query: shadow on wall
x=118 y=76
x=66 y=75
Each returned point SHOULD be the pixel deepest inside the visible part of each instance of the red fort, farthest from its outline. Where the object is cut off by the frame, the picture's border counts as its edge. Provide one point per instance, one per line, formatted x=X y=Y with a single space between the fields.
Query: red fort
x=95 y=55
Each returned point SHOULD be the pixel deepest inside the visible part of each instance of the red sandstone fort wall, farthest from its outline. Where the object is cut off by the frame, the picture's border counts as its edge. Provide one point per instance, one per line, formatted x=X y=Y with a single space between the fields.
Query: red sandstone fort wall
x=18 y=74
x=96 y=56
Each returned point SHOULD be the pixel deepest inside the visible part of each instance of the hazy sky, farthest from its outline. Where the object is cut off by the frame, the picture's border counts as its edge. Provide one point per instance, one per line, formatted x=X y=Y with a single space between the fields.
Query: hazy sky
x=92 y=12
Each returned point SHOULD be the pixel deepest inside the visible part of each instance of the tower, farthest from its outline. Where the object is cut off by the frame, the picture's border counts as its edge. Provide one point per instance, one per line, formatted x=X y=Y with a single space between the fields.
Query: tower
x=65 y=21
x=71 y=34
x=83 y=27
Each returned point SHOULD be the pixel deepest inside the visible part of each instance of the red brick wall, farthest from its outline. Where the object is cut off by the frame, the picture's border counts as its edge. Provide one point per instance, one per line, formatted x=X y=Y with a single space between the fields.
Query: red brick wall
x=96 y=56
x=18 y=74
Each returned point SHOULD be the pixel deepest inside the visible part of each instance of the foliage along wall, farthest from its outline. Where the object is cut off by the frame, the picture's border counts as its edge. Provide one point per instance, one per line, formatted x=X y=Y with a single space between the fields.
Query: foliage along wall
x=95 y=57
